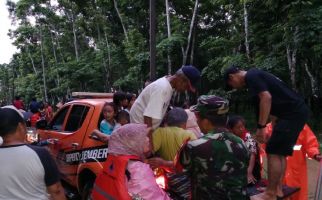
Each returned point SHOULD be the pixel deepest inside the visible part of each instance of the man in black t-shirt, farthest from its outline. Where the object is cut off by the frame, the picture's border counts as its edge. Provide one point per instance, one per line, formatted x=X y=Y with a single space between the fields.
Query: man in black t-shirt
x=272 y=97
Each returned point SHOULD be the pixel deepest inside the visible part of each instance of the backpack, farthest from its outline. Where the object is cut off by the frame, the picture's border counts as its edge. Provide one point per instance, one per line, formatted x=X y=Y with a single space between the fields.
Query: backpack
x=110 y=183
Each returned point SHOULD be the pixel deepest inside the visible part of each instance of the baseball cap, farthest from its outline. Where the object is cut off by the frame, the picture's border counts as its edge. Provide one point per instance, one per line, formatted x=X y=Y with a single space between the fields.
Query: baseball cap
x=211 y=104
x=230 y=70
x=193 y=74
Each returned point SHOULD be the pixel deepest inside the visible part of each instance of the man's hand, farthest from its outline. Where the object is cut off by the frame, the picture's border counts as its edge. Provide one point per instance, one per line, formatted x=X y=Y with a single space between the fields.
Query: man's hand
x=261 y=136
x=56 y=192
x=156 y=162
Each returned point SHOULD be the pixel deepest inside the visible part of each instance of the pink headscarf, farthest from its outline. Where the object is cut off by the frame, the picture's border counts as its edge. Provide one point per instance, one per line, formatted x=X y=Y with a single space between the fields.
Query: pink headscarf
x=128 y=140
x=192 y=124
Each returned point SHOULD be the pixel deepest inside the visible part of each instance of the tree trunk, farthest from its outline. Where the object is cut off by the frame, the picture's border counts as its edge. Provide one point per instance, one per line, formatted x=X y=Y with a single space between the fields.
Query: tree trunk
x=182 y=52
x=32 y=60
x=7 y=86
x=53 y=46
x=192 y=24
x=13 y=87
x=119 y=15
x=43 y=64
x=59 y=48
x=291 y=60
x=55 y=56
x=246 y=30
x=75 y=36
x=169 y=35
x=291 y=51
x=107 y=70
x=314 y=86
x=192 y=47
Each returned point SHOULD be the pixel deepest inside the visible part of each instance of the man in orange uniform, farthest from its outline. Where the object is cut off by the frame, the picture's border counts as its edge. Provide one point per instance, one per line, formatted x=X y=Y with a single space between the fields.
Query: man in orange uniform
x=296 y=167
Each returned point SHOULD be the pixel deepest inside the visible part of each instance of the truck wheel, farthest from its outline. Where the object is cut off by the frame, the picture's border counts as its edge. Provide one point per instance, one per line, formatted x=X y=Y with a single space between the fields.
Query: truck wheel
x=87 y=190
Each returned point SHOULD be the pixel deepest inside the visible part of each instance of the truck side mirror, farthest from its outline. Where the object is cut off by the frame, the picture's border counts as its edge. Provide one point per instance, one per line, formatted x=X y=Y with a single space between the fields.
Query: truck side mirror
x=41 y=124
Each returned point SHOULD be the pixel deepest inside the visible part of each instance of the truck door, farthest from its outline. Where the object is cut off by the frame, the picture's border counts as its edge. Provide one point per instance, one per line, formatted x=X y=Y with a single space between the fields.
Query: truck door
x=68 y=141
x=56 y=126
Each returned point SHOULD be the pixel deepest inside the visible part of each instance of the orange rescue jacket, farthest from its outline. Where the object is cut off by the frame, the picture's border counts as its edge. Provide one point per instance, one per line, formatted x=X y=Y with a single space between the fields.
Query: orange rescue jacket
x=110 y=184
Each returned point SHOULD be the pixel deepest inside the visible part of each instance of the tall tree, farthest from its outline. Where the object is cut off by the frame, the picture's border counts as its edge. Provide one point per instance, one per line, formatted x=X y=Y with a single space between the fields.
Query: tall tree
x=192 y=26
x=169 y=34
x=246 y=28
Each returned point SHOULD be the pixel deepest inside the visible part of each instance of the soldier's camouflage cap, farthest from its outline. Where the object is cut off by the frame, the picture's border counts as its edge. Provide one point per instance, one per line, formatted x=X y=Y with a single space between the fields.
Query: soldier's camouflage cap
x=211 y=104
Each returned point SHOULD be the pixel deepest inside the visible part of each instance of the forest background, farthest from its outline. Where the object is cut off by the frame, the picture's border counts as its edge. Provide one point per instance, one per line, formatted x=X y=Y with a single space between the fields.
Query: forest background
x=103 y=46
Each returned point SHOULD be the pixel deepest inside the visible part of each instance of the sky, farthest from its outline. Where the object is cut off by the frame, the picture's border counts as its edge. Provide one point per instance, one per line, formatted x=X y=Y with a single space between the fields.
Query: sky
x=6 y=48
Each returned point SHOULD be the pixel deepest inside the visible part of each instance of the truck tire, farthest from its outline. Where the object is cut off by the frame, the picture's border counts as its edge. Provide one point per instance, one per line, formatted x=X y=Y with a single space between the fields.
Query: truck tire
x=87 y=190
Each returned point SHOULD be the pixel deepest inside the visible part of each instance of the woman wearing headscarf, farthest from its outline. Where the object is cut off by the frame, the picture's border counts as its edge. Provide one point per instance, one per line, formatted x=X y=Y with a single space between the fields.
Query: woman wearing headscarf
x=125 y=176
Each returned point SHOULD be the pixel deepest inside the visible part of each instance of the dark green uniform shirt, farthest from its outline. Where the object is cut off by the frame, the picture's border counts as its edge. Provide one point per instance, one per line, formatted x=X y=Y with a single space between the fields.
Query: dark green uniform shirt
x=217 y=164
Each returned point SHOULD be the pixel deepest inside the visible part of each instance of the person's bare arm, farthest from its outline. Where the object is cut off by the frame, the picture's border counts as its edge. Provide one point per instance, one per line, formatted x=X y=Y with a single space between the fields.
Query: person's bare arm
x=56 y=192
x=156 y=162
x=265 y=103
x=101 y=136
x=148 y=121
x=150 y=132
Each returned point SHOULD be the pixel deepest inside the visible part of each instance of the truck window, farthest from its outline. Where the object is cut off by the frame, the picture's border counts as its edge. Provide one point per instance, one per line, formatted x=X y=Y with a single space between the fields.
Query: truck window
x=58 y=121
x=76 y=118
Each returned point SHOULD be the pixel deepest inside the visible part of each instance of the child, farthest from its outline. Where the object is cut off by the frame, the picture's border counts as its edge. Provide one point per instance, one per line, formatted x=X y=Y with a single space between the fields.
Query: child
x=236 y=125
x=130 y=99
x=37 y=115
x=108 y=124
x=123 y=117
x=120 y=101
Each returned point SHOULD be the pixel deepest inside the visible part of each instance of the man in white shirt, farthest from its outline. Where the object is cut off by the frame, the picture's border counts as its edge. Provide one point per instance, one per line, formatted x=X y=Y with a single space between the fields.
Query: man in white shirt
x=151 y=105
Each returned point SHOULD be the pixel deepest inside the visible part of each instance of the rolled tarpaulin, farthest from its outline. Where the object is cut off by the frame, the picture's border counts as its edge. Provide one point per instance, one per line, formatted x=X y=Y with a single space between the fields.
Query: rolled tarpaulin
x=318 y=191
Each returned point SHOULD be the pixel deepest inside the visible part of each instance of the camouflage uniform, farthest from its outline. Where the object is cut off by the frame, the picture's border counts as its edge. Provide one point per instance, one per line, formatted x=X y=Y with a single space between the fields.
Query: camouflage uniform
x=217 y=164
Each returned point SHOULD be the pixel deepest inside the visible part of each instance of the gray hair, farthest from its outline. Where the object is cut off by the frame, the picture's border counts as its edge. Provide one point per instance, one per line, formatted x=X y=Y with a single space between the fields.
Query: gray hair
x=180 y=73
x=176 y=117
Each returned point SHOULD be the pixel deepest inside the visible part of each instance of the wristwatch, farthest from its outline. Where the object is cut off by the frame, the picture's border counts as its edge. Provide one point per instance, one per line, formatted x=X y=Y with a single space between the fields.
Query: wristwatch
x=259 y=126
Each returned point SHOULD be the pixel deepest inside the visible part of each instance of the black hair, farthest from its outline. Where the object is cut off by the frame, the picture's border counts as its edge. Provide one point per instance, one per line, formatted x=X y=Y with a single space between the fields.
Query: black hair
x=233 y=69
x=112 y=105
x=9 y=122
x=123 y=115
x=17 y=98
x=41 y=105
x=215 y=119
x=233 y=120
x=118 y=97
x=129 y=96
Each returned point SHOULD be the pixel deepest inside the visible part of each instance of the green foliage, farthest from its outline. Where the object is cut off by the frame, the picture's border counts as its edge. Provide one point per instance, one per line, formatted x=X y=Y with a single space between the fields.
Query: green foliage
x=107 y=60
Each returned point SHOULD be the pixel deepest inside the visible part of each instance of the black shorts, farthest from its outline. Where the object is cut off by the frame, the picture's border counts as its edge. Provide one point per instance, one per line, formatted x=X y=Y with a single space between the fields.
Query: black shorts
x=285 y=134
